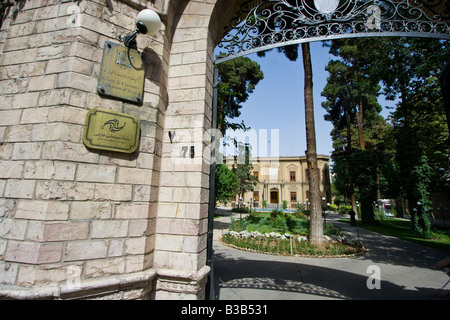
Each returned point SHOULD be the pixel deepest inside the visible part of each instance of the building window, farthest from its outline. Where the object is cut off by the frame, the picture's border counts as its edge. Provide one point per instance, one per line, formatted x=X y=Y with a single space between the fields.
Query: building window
x=256 y=196
x=292 y=175
x=306 y=175
x=293 y=196
x=256 y=174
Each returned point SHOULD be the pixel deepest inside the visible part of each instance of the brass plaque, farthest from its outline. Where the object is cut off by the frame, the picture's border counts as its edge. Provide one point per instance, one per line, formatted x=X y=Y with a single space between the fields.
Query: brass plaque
x=121 y=73
x=113 y=131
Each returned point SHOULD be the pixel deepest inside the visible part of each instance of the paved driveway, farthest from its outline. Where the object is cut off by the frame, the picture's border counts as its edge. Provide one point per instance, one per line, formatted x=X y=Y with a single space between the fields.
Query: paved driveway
x=406 y=271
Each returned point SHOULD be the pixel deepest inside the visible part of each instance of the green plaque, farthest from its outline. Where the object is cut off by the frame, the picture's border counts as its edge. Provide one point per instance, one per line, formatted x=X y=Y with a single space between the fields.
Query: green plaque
x=121 y=73
x=113 y=131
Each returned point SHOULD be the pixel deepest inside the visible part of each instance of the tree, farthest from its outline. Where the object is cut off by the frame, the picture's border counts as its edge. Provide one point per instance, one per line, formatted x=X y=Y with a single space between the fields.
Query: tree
x=351 y=102
x=316 y=229
x=243 y=170
x=291 y=52
x=237 y=80
x=413 y=68
x=227 y=184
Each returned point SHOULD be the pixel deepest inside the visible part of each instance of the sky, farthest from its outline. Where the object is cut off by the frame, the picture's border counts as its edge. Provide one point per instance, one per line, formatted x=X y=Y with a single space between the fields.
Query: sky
x=277 y=106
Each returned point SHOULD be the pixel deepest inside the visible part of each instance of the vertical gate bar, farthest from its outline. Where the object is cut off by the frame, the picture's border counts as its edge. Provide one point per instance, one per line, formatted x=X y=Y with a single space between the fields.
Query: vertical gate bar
x=210 y=292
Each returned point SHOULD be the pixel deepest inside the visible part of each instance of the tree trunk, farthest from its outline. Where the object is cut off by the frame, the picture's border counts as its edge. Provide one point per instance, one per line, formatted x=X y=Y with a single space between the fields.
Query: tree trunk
x=348 y=153
x=316 y=230
x=360 y=118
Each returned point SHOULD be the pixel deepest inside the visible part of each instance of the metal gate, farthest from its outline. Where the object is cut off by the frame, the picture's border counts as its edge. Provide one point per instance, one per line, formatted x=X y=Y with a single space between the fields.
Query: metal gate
x=262 y=25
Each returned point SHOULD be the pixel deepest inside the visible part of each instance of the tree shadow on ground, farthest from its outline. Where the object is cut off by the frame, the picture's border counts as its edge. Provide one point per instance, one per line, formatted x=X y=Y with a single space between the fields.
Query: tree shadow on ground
x=279 y=278
x=314 y=282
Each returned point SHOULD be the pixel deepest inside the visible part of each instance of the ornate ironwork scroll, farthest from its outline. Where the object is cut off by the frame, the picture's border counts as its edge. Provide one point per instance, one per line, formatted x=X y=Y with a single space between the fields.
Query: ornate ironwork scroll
x=262 y=25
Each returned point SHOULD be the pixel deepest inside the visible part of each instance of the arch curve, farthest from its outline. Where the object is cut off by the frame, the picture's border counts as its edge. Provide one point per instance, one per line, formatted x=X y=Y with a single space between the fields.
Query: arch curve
x=262 y=25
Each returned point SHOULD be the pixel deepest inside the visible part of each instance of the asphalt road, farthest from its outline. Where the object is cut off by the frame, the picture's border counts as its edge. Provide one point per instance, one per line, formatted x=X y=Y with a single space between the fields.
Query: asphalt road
x=392 y=269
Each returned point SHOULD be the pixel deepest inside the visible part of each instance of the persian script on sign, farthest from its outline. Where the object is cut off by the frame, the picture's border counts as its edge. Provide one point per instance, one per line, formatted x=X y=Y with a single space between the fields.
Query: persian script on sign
x=113 y=131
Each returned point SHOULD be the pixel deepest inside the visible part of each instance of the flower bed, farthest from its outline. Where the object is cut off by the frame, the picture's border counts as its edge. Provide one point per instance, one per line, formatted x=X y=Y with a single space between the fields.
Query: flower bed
x=278 y=238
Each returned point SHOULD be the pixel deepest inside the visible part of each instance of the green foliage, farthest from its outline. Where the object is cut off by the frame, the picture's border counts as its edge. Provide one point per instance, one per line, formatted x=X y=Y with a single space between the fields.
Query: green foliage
x=409 y=155
x=333 y=207
x=363 y=162
x=243 y=171
x=237 y=80
x=278 y=246
x=241 y=210
x=276 y=221
x=344 y=209
x=226 y=184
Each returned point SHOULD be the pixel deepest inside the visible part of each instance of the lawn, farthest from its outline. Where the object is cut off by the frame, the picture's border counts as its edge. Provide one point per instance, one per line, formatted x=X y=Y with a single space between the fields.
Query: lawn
x=284 y=233
x=402 y=229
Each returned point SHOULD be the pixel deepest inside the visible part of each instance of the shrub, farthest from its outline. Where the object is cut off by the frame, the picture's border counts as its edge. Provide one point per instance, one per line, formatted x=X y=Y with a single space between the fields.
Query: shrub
x=331 y=230
x=238 y=225
x=241 y=210
x=345 y=209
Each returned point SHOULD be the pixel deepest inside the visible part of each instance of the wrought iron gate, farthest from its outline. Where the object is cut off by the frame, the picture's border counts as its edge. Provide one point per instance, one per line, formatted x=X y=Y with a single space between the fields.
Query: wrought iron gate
x=262 y=25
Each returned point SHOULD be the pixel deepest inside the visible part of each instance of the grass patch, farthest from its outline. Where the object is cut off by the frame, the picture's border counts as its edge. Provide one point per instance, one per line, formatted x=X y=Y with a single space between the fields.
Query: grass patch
x=294 y=225
x=288 y=247
x=402 y=229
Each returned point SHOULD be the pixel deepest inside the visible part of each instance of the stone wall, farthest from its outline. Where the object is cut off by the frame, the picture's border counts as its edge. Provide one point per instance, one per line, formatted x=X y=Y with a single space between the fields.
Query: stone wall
x=68 y=211
x=83 y=223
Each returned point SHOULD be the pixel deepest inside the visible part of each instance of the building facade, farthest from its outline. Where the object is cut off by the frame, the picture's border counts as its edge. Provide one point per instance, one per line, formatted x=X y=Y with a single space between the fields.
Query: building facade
x=282 y=180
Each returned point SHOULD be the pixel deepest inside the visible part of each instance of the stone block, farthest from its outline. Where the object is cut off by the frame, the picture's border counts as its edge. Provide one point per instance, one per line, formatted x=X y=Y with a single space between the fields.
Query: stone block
x=42 y=83
x=10 y=117
x=96 y=173
x=19 y=133
x=35 y=115
x=25 y=100
x=101 y=268
x=90 y=210
x=8 y=272
x=56 y=132
x=181 y=226
x=62 y=150
x=57 y=231
x=13 y=229
x=86 y=250
x=42 y=210
x=11 y=169
x=141 y=227
x=69 y=64
x=27 y=150
x=134 y=176
x=20 y=189
x=76 y=81
x=32 y=252
x=109 y=229
x=113 y=192
x=44 y=169
x=64 y=190
x=140 y=245
x=132 y=211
